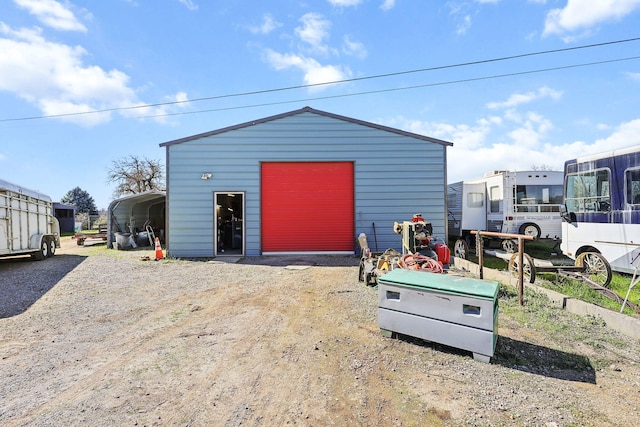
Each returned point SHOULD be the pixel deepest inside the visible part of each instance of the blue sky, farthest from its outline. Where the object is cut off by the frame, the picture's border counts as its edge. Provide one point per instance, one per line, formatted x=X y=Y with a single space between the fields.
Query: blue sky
x=85 y=83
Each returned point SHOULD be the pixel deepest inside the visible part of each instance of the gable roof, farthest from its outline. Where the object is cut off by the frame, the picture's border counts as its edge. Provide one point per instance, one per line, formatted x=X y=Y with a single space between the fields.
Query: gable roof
x=306 y=110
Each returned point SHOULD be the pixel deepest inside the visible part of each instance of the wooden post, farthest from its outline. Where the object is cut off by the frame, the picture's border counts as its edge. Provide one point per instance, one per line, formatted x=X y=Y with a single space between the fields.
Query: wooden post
x=480 y=251
x=521 y=270
x=521 y=238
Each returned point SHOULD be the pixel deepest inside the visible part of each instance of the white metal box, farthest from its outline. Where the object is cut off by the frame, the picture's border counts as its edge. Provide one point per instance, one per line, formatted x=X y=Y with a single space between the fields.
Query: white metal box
x=457 y=311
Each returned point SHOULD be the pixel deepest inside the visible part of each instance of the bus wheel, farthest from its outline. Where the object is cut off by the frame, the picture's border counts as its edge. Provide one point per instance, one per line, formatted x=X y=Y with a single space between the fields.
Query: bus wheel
x=530 y=229
x=529 y=269
x=596 y=268
x=461 y=249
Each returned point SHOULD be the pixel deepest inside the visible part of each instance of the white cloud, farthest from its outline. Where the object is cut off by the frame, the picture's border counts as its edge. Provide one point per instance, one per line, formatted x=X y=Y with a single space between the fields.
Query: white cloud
x=634 y=76
x=465 y=137
x=53 y=77
x=268 y=25
x=525 y=98
x=345 y=3
x=52 y=14
x=189 y=4
x=354 y=48
x=158 y=112
x=388 y=4
x=625 y=135
x=314 y=72
x=474 y=152
x=314 y=31
x=581 y=15
x=531 y=133
x=464 y=26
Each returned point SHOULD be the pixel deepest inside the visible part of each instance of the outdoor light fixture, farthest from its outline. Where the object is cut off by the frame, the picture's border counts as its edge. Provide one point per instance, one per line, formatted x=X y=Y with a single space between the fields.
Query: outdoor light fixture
x=206 y=175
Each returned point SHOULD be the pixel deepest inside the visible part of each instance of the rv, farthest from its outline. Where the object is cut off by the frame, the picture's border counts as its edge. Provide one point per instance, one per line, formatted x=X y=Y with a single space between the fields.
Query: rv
x=27 y=224
x=515 y=202
x=602 y=207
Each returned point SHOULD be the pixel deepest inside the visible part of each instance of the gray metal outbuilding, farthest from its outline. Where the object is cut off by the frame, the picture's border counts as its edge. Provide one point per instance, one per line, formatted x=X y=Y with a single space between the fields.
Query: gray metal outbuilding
x=305 y=181
x=137 y=216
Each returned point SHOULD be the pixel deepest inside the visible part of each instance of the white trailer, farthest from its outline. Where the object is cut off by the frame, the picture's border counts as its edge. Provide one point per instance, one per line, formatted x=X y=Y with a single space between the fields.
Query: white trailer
x=27 y=224
x=516 y=202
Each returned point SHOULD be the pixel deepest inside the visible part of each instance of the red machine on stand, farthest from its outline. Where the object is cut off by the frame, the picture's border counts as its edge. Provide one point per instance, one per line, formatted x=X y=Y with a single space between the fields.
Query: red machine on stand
x=420 y=252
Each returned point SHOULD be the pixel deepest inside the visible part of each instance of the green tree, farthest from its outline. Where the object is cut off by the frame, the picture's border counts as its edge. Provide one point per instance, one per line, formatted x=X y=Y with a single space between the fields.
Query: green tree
x=80 y=199
x=133 y=175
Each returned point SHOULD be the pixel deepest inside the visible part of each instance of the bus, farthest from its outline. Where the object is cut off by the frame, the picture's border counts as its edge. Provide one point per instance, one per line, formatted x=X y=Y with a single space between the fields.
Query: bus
x=516 y=202
x=601 y=211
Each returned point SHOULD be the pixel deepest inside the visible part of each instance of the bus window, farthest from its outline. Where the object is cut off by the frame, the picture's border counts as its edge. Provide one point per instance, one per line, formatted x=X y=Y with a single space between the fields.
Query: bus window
x=632 y=182
x=589 y=191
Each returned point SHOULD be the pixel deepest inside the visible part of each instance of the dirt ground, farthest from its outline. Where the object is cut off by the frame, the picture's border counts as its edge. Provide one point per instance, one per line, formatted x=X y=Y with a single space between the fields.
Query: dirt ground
x=101 y=337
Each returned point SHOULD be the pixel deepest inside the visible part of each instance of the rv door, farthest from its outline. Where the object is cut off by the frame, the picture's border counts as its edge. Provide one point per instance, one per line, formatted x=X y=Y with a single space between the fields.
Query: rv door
x=474 y=212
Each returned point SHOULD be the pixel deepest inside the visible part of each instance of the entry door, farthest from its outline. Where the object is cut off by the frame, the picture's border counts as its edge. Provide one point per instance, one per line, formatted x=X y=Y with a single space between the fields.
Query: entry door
x=229 y=223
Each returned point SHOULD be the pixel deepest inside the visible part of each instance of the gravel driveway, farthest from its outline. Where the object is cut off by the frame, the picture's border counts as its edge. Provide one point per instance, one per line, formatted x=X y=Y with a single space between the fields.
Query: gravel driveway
x=100 y=337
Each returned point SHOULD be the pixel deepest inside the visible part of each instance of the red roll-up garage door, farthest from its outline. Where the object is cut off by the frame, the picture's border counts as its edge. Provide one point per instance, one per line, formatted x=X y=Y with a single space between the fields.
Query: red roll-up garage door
x=307 y=207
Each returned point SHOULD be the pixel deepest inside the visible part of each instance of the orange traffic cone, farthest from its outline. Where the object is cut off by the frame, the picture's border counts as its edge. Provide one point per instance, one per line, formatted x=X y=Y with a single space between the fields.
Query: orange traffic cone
x=159 y=254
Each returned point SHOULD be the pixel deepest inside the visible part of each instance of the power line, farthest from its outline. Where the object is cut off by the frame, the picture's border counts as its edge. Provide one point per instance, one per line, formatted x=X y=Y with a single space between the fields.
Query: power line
x=450 y=82
x=377 y=76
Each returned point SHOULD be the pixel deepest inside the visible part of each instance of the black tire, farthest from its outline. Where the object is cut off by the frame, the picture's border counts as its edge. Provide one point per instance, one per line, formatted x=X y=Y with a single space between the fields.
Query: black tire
x=43 y=252
x=530 y=229
x=52 y=247
x=361 y=272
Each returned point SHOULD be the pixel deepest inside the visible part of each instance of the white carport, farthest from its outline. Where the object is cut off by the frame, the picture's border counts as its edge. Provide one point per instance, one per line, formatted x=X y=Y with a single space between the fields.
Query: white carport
x=135 y=216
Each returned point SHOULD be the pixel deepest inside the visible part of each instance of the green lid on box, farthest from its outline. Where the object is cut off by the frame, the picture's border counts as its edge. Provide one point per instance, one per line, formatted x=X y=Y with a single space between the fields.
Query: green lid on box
x=442 y=282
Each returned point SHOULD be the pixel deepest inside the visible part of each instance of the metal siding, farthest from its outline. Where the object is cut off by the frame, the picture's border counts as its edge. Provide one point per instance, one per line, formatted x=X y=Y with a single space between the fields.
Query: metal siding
x=395 y=177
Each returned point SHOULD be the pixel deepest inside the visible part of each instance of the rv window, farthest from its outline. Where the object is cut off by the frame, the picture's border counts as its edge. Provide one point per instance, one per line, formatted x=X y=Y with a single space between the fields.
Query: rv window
x=495 y=197
x=632 y=182
x=538 y=194
x=475 y=200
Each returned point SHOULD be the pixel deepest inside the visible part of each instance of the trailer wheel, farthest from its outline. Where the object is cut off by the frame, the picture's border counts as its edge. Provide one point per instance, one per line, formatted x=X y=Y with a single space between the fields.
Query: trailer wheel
x=528 y=270
x=596 y=268
x=461 y=249
x=509 y=246
x=530 y=229
x=43 y=252
x=52 y=247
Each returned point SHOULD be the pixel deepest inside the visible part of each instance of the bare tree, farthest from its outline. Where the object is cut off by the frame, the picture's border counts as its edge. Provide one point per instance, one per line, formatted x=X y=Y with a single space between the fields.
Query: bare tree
x=133 y=174
x=542 y=168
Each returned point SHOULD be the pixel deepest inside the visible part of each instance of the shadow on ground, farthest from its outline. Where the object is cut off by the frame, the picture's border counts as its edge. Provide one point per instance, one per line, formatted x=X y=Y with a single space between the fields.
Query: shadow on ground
x=24 y=281
x=527 y=357
x=310 y=260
